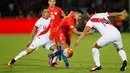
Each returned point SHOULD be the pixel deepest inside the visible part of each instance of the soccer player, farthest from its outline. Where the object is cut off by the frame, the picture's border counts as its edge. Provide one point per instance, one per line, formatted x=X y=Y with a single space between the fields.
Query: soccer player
x=65 y=29
x=55 y=13
x=41 y=38
x=109 y=33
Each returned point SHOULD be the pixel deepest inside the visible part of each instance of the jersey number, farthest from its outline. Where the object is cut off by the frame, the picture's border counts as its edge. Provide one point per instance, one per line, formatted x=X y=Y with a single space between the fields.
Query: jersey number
x=104 y=21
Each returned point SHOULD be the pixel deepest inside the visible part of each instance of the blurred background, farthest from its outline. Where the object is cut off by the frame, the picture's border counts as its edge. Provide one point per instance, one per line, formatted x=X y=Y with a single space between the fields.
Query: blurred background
x=17 y=18
x=30 y=9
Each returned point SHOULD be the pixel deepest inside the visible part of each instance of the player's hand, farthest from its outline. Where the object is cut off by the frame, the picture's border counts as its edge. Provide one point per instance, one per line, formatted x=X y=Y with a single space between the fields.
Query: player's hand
x=76 y=44
x=28 y=44
x=123 y=12
x=91 y=31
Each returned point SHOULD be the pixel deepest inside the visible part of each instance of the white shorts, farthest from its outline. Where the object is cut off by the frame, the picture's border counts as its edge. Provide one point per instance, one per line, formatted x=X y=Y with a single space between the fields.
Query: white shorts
x=41 y=41
x=115 y=39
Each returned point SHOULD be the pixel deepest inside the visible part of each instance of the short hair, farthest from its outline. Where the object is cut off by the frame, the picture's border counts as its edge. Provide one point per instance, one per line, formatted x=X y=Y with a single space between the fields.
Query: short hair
x=79 y=11
x=91 y=10
x=49 y=0
x=44 y=7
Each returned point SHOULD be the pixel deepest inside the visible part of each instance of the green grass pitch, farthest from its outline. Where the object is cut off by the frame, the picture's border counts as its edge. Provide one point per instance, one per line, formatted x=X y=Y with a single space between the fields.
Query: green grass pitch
x=81 y=62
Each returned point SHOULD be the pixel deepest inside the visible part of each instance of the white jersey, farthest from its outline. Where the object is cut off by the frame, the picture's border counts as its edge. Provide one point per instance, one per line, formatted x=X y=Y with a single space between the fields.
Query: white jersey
x=42 y=36
x=43 y=26
x=101 y=22
x=109 y=33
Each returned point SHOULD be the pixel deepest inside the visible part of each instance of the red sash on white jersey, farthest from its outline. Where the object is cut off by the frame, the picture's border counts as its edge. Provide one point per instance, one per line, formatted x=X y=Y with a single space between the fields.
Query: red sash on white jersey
x=47 y=29
x=99 y=19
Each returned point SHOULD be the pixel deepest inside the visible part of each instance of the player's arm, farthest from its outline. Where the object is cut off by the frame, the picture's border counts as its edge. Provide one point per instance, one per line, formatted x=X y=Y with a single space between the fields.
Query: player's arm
x=63 y=14
x=86 y=31
x=117 y=13
x=32 y=35
x=76 y=32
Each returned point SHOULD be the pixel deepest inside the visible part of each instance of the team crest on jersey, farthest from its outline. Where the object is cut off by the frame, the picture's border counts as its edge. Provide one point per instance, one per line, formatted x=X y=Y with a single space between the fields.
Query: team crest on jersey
x=55 y=13
x=32 y=45
x=51 y=13
x=44 y=27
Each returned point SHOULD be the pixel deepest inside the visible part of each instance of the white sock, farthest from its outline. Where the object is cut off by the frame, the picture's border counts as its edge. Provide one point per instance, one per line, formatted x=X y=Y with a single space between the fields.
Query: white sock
x=96 y=56
x=122 y=54
x=55 y=58
x=23 y=53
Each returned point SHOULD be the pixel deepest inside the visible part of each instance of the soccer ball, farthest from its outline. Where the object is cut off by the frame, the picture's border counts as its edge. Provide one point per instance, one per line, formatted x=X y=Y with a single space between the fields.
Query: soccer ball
x=68 y=52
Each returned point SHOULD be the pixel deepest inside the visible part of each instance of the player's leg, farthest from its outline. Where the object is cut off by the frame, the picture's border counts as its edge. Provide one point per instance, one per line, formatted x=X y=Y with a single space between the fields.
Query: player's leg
x=96 y=57
x=64 y=46
x=59 y=57
x=118 y=44
x=54 y=36
x=60 y=41
x=60 y=52
x=35 y=44
x=122 y=54
x=57 y=53
x=95 y=51
x=20 y=55
x=59 y=48
x=53 y=61
x=52 y=46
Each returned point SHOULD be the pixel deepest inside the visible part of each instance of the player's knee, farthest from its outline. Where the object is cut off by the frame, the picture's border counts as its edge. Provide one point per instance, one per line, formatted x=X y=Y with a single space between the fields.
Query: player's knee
x=96 y=46
x=118 y=49
x=29 y=51
x=63 y=45
x=54 y=47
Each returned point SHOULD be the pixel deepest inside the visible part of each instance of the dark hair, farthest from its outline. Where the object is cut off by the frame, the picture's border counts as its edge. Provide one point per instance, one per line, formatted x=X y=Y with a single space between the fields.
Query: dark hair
x=44 y=7
x=79 y=11
x=91 y=10
x=49 y=0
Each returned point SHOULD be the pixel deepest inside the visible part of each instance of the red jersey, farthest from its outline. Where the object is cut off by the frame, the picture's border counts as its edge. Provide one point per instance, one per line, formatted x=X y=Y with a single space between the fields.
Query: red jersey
x=67 y=24
x=55 y=14
x=65 y=29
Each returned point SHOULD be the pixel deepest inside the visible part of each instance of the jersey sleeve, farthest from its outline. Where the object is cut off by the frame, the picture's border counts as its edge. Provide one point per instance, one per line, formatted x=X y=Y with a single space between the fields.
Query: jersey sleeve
x=38 y=24
x=105 y=14
x=89 y=24
x=71 y=23
x=60 y=11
